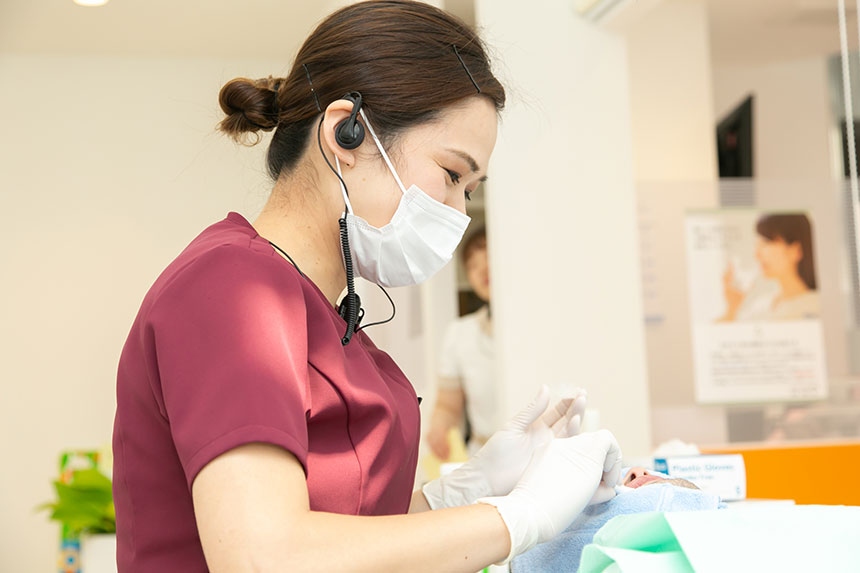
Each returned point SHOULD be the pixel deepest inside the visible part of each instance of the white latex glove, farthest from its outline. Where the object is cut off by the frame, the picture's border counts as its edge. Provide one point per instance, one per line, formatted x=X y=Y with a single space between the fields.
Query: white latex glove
x=556 y=487
x=499 y=465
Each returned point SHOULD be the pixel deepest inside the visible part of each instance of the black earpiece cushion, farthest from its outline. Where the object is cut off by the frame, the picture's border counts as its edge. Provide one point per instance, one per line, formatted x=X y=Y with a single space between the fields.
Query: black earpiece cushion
x=349 y=134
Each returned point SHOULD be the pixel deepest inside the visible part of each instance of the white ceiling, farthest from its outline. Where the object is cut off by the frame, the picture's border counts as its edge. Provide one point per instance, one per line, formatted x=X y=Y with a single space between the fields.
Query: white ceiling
x=747 y=31
x=742 y=31
x=268 y=29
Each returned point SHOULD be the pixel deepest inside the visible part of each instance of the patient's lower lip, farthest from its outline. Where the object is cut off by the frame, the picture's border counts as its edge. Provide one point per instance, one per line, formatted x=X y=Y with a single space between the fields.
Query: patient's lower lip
x=642 y=480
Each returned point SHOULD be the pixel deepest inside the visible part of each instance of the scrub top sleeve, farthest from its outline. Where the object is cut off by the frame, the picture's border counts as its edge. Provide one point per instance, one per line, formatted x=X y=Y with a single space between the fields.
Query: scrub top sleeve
x=449 y=364
x=230 y=342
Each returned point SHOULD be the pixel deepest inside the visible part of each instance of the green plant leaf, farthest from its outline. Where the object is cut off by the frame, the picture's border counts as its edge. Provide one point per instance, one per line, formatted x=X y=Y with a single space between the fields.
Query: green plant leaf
x=85 y=504
x=91 y=479
x=71 y=493
x=44 y=506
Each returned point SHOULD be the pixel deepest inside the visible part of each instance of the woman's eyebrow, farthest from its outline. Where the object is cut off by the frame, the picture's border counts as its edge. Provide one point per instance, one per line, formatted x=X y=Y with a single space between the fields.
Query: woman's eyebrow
x=473 y=165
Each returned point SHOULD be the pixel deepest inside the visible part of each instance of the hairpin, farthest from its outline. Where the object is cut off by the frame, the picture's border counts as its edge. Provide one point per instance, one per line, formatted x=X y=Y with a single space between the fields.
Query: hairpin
x=474 y=83
x=313 y=91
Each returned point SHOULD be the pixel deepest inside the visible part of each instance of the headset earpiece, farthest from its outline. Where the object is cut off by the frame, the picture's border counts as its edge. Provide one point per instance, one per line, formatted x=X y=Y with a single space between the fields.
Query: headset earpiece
x=349 y=133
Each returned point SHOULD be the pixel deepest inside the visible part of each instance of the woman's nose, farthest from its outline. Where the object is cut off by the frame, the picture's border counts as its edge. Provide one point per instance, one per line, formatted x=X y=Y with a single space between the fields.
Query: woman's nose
x=457 y=200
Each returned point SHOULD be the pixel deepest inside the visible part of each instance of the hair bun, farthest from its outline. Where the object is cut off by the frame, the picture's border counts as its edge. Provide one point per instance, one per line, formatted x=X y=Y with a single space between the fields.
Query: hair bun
x=251 y=106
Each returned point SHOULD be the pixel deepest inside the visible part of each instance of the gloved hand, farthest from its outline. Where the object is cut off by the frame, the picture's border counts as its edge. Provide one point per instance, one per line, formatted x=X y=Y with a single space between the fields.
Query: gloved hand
x=500 y=464
x=563 y=476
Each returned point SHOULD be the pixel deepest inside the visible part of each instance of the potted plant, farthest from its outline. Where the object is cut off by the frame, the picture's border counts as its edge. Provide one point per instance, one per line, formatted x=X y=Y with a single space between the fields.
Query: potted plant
x=85 y=508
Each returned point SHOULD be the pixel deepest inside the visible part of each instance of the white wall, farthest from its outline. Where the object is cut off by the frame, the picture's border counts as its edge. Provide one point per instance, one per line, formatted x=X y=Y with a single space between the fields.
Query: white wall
x=108 y=168
x=561 y=216
x=792 y=124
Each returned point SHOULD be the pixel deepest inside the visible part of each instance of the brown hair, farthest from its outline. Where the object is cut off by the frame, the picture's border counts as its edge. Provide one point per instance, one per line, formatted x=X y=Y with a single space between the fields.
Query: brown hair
x=792 y=228
x=476 y=241
x=401 y=55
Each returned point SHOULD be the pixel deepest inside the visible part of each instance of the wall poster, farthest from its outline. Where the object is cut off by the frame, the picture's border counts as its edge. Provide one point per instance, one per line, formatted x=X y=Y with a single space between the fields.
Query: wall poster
x=755 y=307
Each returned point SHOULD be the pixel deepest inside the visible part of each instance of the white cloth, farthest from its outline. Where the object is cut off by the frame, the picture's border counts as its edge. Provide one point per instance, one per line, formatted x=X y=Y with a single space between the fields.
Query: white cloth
x=467 y=363
x=806 y=305
x=762 y=304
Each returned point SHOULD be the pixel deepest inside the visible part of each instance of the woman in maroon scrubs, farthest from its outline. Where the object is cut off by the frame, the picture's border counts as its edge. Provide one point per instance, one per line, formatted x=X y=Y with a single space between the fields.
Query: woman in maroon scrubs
x=257 y=427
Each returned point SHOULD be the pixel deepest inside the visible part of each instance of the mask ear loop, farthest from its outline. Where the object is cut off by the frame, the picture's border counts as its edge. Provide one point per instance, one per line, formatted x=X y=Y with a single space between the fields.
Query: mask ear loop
x=382 y=152
x=343 y=187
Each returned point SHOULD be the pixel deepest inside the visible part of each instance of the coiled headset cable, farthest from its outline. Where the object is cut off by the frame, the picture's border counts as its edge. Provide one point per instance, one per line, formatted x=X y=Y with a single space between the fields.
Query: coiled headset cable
x=350 y=307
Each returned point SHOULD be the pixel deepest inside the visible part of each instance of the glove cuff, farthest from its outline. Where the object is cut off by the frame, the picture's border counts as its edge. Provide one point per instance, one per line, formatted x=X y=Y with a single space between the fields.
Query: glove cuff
x=433 y=492
x=523 y=535
x=461 y=487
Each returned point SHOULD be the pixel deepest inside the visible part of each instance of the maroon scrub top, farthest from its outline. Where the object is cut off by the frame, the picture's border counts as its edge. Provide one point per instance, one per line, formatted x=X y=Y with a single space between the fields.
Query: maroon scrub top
x=231 y=346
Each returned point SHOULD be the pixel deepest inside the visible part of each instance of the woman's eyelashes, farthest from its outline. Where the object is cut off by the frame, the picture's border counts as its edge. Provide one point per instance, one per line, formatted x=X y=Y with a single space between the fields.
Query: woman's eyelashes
x=455 y=179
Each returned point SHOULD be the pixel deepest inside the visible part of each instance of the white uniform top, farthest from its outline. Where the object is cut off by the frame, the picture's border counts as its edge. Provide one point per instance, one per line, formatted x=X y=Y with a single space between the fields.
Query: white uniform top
x=467 y=363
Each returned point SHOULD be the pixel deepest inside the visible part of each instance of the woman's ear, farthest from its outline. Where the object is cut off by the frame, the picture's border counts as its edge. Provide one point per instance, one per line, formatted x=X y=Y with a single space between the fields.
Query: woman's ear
x=336 y=112
x=796 y=250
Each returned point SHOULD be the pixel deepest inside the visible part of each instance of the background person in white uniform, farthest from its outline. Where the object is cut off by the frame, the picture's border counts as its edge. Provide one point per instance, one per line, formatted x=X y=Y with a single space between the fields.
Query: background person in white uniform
x=466 y=381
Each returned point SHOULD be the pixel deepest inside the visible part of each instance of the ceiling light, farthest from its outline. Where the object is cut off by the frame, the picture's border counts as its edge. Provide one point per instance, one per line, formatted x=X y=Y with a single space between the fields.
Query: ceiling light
x=91 y=2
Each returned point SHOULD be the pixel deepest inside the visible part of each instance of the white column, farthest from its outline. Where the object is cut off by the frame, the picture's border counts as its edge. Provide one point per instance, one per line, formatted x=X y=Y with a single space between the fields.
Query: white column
x=671 y=93
x=561 y=216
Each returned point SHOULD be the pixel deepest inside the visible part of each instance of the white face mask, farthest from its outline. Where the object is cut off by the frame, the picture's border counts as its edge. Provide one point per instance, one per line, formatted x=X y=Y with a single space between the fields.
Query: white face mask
x=415 y=245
